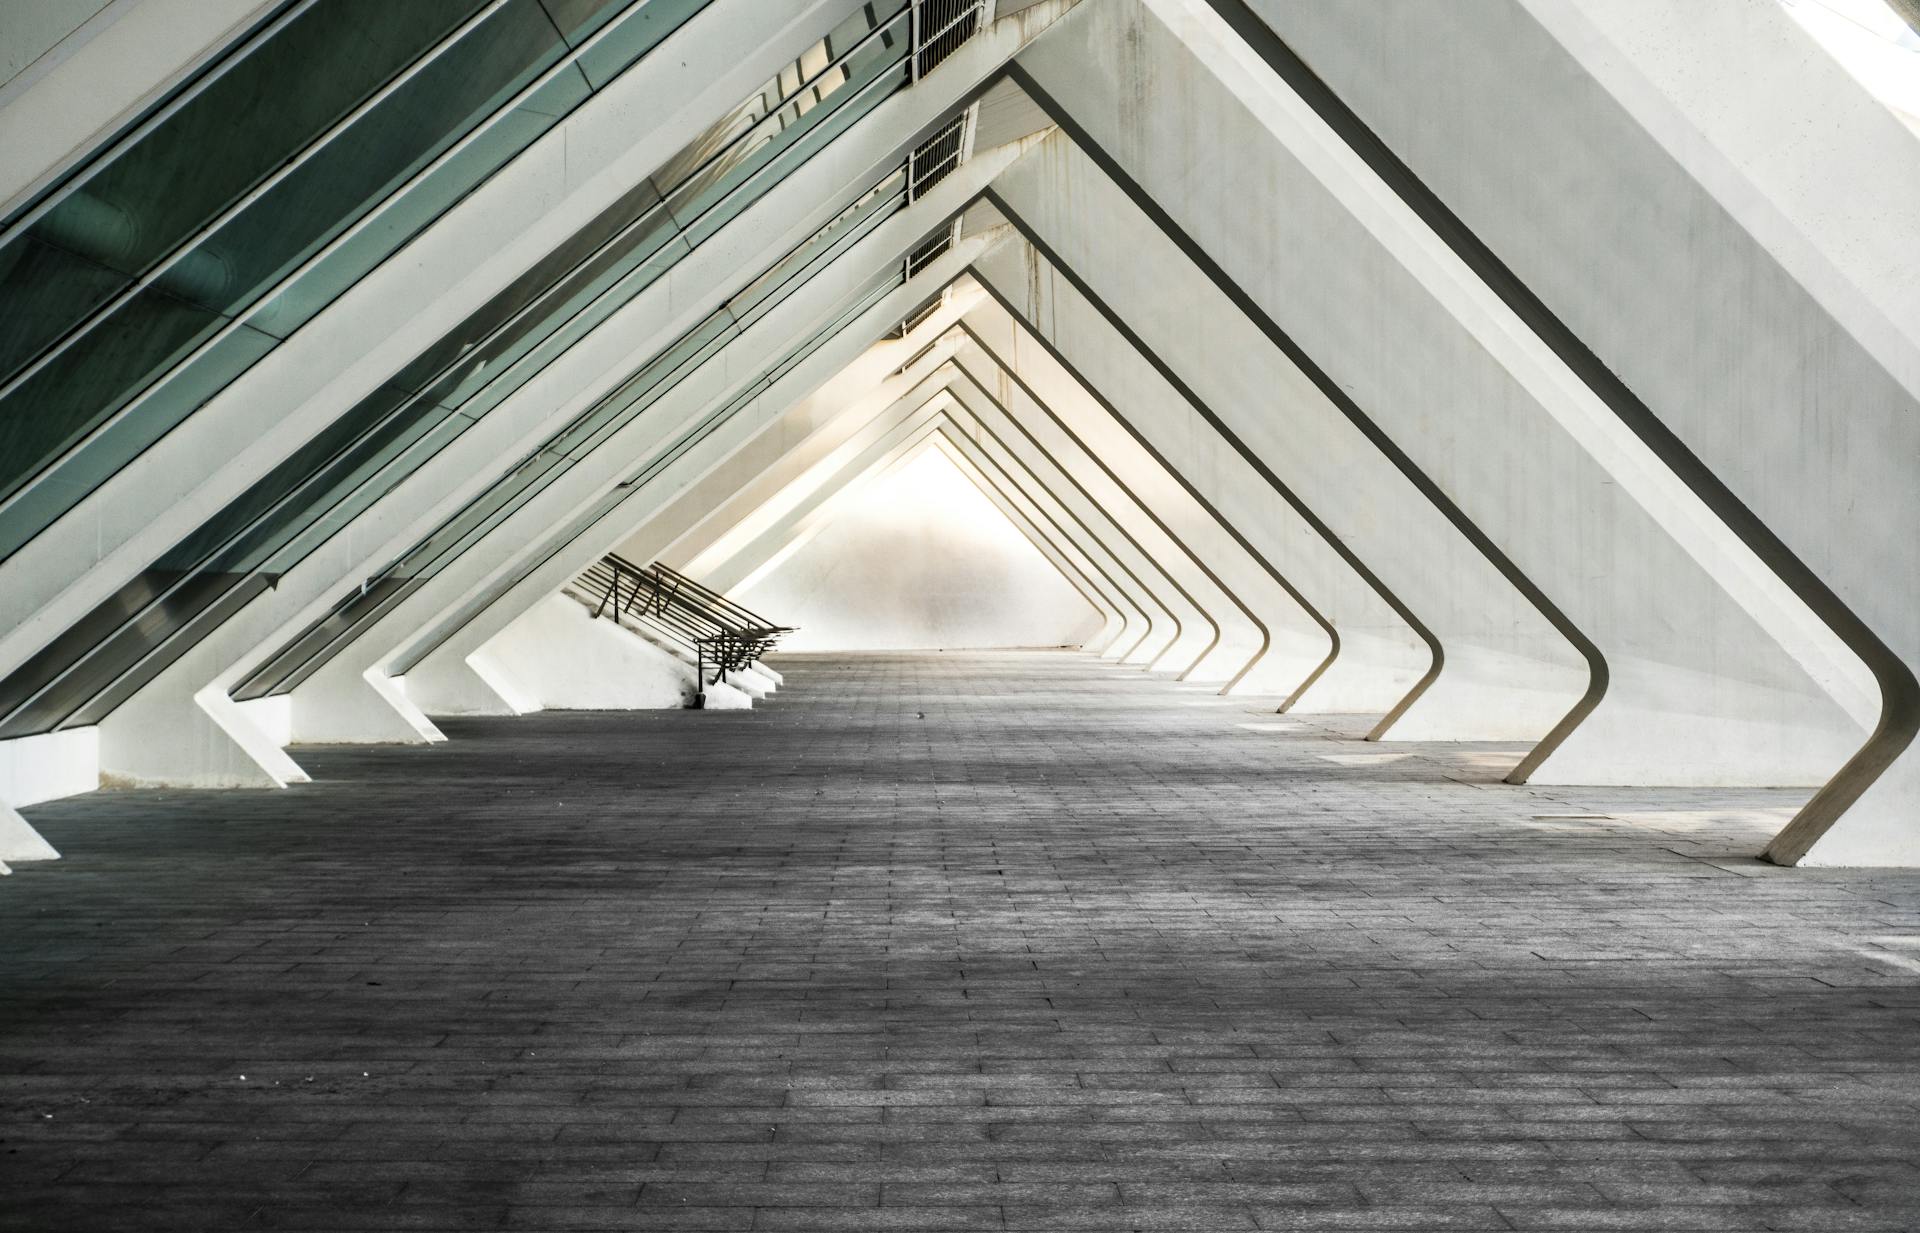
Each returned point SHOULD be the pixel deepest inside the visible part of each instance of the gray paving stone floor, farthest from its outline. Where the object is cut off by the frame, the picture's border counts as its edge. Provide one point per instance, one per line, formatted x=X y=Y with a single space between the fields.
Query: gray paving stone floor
x=949 y=942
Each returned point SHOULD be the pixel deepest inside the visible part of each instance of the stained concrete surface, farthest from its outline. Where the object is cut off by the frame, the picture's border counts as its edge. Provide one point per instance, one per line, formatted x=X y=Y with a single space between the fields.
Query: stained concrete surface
x=1009 y=941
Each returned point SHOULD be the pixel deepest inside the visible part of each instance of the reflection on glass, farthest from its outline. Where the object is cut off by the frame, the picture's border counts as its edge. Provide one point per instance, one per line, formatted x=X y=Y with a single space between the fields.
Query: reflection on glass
x=453 y=382
x=169 y=268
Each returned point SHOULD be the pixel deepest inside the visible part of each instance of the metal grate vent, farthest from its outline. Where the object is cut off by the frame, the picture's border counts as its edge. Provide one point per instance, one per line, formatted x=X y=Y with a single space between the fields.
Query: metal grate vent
x=929 y=252
x=916 y=320
x=939 y=28
x=935 y=157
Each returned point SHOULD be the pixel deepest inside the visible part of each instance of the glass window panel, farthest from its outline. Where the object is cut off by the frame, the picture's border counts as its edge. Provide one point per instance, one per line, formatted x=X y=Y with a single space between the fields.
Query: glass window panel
x=219 y=275
x=46 y=289
x=780 y=158
x=636 y=35
x=556 y=344
x=407 y=215
x=145 y=337
x=347 y=177
x=577 y=20
x=46 y=666
x=396 y=460
x=75 y=393
x=268 y=499
x=48 y=690
x=143 y=651
x=131 y=211
x=28 y=513
x=281 y=518
x=346 y=474
x=503 y=307
x=304 y=656
x=640 y=243
x=759 y=152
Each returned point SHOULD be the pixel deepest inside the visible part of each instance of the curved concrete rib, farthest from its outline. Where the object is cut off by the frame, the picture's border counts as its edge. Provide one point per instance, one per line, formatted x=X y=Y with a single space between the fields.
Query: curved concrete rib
x=1341 y=682
x=1215 y=546
x=908 y=434
x=1089 y=427
x=903 y=430
x=779 y=472
x=1371 y=673
x=771 y=536
x=866 y=454
x=1755 y=221
x=1095 y=520
x=1696 y=690
x=1143 y=483
x=1337 y=396
x=1019 y=479
x=1510 y=674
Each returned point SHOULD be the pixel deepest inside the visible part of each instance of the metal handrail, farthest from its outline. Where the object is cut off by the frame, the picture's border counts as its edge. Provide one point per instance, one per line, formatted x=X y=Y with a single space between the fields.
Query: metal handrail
x=716 y=630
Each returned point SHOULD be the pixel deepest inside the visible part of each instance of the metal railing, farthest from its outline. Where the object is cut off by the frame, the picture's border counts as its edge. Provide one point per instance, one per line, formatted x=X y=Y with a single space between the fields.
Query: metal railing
x=719 y=633
x=933 y=159
x=939 y=28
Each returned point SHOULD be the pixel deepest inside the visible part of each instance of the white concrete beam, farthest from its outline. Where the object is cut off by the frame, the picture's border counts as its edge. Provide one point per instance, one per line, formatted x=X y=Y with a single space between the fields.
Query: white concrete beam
x=1697 y=691
x=1757 y=327
x=1393 y=575
x=1180 y=631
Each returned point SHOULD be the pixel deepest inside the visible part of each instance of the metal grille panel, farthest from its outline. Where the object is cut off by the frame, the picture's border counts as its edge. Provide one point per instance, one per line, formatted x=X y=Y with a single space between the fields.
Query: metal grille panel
x=941 y=26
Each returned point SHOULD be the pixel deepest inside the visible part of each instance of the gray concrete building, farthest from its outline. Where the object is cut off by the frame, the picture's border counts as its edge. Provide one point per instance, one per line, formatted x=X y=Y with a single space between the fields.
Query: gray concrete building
x=950 y=614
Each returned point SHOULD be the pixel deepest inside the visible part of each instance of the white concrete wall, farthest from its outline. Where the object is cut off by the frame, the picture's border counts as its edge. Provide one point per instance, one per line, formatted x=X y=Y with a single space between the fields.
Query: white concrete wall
x=918 y=559
x=557 y=656
x=762 y=495
x=42 y=768
x=1699 y=691
x=45 y=768
x=1725 y=217
x=1116 y=619
x=31 y=28
x=718 y=527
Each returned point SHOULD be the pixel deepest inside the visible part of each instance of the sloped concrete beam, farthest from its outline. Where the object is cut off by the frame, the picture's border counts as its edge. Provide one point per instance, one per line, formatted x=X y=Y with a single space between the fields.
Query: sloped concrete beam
x=1756 y=327
x=1696 y=690
x=1396 y=578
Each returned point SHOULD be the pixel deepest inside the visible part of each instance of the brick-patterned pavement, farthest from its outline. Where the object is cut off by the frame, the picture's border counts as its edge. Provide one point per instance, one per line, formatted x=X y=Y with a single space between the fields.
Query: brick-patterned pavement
x=1016 y=941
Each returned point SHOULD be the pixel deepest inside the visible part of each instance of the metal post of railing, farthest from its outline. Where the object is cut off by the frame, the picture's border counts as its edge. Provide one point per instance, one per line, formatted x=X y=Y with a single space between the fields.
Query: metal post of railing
x=913 y=42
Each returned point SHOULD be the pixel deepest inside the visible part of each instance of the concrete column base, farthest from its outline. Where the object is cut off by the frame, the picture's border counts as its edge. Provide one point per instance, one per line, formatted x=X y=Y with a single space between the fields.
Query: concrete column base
x=20 y=843
x=557 y=655
x=449 y=685
x=164 y=740
x=721 y=696
x=359 y=709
